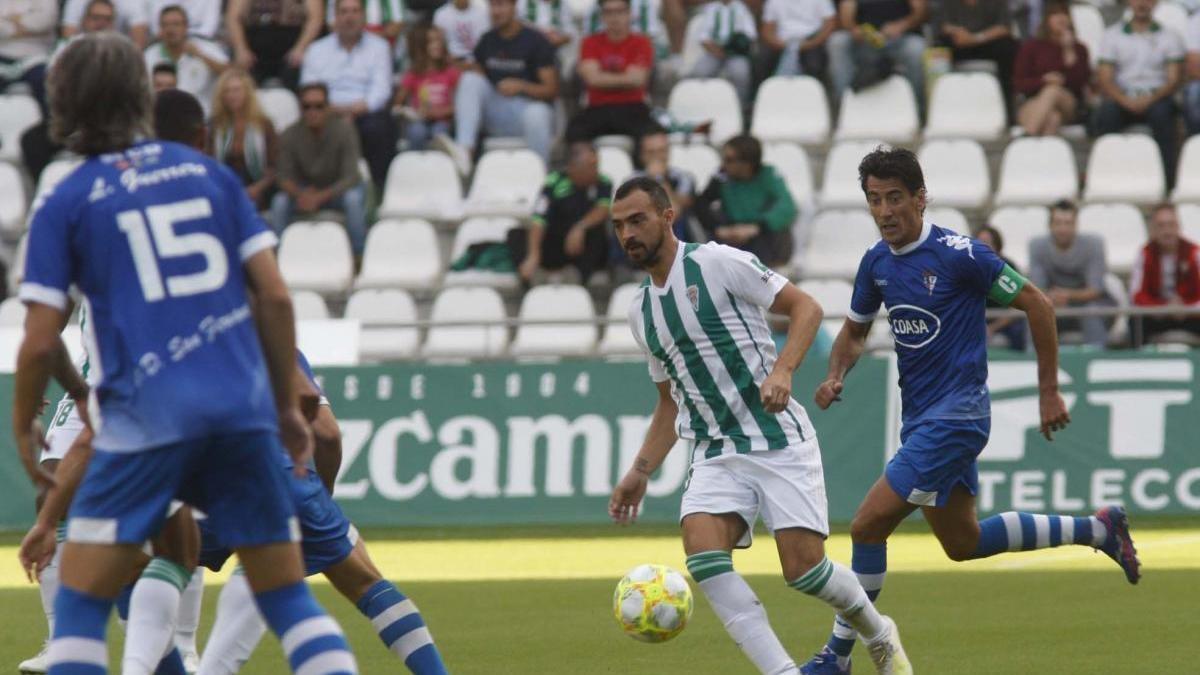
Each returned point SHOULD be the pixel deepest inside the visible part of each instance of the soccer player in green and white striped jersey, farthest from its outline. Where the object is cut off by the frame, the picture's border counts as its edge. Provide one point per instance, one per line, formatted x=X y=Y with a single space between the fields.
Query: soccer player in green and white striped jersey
x=700 y=319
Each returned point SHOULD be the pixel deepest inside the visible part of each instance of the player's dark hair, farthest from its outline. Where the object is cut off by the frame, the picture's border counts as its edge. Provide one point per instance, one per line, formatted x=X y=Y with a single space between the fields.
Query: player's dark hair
x=173 y=8
x=996 y=236
x=898 y=163
x=658 y=196
x=747 y=149
x=1065 y=205
x=99 y=94
x=178 y=117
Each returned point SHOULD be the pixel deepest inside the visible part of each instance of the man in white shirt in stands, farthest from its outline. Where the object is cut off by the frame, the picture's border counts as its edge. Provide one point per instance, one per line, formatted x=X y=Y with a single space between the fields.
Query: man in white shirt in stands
x=198 y=62
x=132 y=19
x=204 y=16
x=795 y=33
x=463 y=22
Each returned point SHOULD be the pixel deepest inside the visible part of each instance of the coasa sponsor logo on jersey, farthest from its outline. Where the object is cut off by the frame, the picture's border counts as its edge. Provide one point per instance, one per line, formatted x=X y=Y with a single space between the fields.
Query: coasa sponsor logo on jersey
x=913 y=327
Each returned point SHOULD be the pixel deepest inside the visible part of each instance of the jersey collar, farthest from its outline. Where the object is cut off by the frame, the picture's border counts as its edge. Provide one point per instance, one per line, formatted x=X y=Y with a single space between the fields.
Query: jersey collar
x=675 y=266
x=926 y=228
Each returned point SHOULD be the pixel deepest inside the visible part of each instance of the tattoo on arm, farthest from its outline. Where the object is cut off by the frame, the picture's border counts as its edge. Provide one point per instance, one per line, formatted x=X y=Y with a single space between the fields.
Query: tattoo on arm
x=642 y=465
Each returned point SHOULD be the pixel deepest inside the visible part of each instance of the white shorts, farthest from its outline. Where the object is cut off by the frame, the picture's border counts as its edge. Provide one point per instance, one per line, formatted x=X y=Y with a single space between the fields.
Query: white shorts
x=65 y=427
x=786 y=487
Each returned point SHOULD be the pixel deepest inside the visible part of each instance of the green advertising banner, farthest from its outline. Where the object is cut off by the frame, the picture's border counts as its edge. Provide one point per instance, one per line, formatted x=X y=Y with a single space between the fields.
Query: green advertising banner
x=513 y=443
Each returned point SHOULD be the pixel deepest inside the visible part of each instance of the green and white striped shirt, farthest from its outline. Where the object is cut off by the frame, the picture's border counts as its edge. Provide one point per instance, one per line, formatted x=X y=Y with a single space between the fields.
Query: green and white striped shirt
x=706 y=331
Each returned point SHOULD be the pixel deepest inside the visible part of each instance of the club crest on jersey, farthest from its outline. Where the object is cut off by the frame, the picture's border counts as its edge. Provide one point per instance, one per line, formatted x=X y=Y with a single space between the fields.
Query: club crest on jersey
x=929 y=279
x=693 y=294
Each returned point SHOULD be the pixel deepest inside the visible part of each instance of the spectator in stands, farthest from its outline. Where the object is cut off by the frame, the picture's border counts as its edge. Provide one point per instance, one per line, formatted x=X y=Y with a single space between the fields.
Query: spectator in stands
x=1166 y=273
x=270 y=37
x=794 y=33
x=663 y=21
x=729 y=33
x=980 y=30
x=747 y=205
x=463 y=22
x=1052 y=71
x=654 y=161
x=164 y=76
x=615 y=67
x=875 y=35
x=242 y=136
x=1010 y=329
x=27 y=32
x=381 y=17
x=130 y=18
x=197 y=61
x=569 y=222
x=356 y=68
x=510 y=89
x=1070 y=268
x=550 y=17
x=1140 y=71
x=204 y=17
x=318 y=167
x=1192 y=93
x=426 y=91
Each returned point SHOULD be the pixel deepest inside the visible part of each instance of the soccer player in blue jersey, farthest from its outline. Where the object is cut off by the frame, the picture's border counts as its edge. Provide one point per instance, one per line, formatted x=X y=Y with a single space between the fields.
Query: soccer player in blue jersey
x=192 y=402
x=935 y=284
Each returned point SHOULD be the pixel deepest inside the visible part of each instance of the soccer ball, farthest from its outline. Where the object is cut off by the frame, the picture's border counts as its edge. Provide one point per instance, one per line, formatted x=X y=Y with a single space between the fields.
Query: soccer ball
x=652 y=603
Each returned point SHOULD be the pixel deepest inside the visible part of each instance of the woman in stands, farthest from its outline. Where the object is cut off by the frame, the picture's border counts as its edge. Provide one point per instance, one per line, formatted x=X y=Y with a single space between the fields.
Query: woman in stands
x=426 y=94
x=1051 y=72
x=242 y=135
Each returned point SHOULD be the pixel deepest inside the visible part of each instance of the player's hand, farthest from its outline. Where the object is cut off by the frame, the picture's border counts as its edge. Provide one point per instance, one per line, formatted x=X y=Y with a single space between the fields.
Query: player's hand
x=30 y=444
x=297 y=438
x=623 y=505
x=37 y=549
x=776 y=391
x=829 y=392
x=1054 y=413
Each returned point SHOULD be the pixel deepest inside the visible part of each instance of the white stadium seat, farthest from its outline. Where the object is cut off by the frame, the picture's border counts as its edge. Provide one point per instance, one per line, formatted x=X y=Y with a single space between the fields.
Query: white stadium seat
x=1187 y=177
x=1189 y=222
x=791 y=163
x=506 y=183
x=316 y=257
x=18 y=112
x=1089 y=27
x=308 y=305
x=1037 y=171
x=1125 y=168
x=1020 y=225
x=841 y=189
x=702 y=161
x=401 y=254
x=478 y=231
x=12 y=313
x=839 y=240
x=18 y=262
x=966 y=105
x=552 y=303
x=861 y=119
x=281 y=106
x=466 y=304
x=703 y=100
x=12 y=201
x=1123 y=229
x=53 y=174
x=791 y=109
x=956 y=173
x=616 y=164
x=618 y=337
x=374 y=307
x=422 y=185
x=950 y=218
x=834 y=297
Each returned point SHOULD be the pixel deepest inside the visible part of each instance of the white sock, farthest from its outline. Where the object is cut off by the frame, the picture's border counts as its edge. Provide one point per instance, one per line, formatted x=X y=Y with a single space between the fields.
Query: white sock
x=838 y=587
x=236 y=632
x=189 y=613
x=744 y=617
x=48 y=588
x=153 y=610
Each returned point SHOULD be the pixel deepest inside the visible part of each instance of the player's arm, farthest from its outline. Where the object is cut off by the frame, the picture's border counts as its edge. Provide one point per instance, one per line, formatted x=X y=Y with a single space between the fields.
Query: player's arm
x=37 y=359
x=848 y=347
x=1012 y=290
x=37 y=548
x=804 y=319
x=660 y=438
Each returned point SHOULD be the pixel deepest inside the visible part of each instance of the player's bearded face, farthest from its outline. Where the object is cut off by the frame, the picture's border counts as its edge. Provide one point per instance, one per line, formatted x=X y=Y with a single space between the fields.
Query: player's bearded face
x=643 y=246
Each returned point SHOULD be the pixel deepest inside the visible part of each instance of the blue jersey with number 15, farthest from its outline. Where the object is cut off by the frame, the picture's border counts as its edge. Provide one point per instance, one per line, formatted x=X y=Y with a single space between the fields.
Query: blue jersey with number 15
x=154 y=238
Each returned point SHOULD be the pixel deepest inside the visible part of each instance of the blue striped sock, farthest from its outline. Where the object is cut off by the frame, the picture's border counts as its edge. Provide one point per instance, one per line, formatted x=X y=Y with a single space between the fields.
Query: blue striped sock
x=172 y=664
x=77 y=647
x=401 y=628
x=1013 y=531
x=869 y=563
x=311 y=639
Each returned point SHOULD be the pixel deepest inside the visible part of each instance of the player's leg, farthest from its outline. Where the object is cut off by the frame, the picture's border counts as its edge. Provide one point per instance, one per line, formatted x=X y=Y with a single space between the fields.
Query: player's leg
x=47 y=586
x=155 y=604
x=237 y=630
x=190 y=605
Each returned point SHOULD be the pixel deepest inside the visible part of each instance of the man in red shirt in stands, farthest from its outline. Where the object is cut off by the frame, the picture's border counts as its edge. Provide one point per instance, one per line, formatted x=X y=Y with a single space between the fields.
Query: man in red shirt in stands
x=615 y=66
x=1167 y=272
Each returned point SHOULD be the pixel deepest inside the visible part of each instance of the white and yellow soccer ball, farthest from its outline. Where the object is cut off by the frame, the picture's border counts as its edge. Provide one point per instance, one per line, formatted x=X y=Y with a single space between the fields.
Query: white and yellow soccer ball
x=653 y=603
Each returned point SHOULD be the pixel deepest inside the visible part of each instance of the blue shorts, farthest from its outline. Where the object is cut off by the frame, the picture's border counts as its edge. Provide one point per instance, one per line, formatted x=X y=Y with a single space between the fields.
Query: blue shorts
x=327 y=537
x=124 y=496
x=934 y=457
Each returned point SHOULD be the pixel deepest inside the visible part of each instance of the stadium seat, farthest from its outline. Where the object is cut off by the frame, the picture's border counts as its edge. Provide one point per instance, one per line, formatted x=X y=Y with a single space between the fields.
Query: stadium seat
x=944 y=216
x=616 y=164
x=400 y=254
x=18 y=112
x=12 y=313
x=1125 y=168
x=53 y=174
x=841 y=189
x=791 y=163
x=477 y=341
x=1187 y=177
x=581 y=9
x=1189 y=222
x=860 y=117
x=834 y=297
x=374 y=307
x=12 y=201
x=552 y=303
x=309 y=306
x=702 y=161
x=280 y=105
x=422 y=185
x=839 y=240
x=956 y=173
x=791 y=109
x=18 y=263
x=966 y=105
x=703 y=100
x=1123 y=229
x=479 y=231
x=316 y=257
x=1020 y=225
x=1089 y=27
x=618 y=338
x=506 y=183
x=1037 y=171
